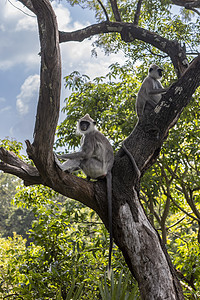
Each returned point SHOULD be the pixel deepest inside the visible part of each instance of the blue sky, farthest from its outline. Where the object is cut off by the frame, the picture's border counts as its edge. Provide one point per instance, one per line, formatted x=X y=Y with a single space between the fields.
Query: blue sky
x=20 y=63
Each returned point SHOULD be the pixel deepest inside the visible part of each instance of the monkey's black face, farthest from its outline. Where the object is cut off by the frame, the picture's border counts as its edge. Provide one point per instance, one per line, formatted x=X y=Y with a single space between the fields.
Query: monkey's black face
x=160 y=71
x=84 y=125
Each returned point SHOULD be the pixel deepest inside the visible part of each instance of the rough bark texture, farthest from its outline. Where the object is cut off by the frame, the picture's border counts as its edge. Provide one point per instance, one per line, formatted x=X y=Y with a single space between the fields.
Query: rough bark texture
x=142 y=248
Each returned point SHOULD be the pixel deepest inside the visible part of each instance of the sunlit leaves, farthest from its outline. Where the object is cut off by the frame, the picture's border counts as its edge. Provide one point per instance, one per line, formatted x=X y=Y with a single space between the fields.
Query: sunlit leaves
x=11 y=145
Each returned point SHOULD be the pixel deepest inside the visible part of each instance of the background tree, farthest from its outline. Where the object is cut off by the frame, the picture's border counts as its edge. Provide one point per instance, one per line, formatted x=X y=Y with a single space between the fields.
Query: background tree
x=142 y=248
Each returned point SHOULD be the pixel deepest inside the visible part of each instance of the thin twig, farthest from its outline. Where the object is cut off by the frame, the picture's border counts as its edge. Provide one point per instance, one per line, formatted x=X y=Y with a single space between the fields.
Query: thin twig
x=20 y=9
x=185 y=212
x=103 y=7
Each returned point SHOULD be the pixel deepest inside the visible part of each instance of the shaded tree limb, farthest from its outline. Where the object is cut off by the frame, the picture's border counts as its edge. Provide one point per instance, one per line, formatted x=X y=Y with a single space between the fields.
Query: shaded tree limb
x=194 y=10
x=183 y=210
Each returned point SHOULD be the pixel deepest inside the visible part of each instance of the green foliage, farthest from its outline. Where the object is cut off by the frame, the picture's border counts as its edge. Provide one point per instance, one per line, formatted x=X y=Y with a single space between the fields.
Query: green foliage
x=117 y=289
x=186 y=260
x=69 y=252
x=109 y=100
x=12 y=218
x=11 y=145
x=11 y=280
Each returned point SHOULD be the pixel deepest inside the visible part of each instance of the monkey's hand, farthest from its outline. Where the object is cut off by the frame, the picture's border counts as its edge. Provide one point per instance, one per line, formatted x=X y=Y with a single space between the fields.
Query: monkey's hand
x=157 y=91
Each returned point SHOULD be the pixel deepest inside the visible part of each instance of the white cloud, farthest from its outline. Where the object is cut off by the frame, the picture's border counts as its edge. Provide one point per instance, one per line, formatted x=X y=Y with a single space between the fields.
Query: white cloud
x=5 y=109
x=2 y=99
x=26 y=23
x=28 y=95
x=63 y=16
x=9 y=11
x=77 y=56
x=18 y=36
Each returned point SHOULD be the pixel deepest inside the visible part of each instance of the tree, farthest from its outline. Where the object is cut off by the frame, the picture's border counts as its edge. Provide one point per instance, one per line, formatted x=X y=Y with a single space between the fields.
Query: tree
x=141 y=245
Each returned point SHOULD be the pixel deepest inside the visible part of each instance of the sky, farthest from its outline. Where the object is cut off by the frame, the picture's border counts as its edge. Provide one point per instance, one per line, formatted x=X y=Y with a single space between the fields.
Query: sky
x=20 y=63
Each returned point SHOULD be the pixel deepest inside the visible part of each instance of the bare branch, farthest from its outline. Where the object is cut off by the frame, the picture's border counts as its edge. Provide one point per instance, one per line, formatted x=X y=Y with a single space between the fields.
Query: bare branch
x=12 y=164
x=177 y=222
x=103 y=7
x=115 y=10
x=172 y=48
x=189 y=4
x=183 y=210
x=20 y=9
x=137 y=13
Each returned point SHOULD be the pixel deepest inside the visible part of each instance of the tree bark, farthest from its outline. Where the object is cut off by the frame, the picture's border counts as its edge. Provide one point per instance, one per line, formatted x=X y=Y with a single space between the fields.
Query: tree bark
x=142 y=248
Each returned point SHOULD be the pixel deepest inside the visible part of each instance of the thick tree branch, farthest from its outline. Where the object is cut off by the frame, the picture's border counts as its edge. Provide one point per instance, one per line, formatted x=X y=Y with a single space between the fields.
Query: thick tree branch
x=171 y=48
x=66 y=184
x=12 y=164
x=28 y=4
x=48 y=111
x=187 y=3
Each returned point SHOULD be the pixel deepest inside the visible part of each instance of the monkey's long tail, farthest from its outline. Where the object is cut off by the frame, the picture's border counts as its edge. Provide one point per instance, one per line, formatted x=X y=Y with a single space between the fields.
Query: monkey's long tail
x=109 y=197
x=132 y=160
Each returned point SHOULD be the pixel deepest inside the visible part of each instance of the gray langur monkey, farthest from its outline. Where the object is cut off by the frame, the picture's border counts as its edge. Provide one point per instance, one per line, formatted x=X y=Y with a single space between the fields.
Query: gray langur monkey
x=95 y=159
x=150 y=91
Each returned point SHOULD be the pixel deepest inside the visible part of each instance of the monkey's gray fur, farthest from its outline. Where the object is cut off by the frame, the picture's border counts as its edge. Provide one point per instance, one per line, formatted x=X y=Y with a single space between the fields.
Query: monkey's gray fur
x=150 y=91
x=95 y=159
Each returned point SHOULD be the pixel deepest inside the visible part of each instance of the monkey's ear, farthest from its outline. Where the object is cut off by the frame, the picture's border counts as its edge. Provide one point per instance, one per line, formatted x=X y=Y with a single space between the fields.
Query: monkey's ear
x=94 y=122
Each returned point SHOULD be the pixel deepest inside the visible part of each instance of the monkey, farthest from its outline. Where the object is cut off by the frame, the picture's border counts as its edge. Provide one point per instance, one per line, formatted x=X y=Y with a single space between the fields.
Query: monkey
x=150 y=92
x=95 y=159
